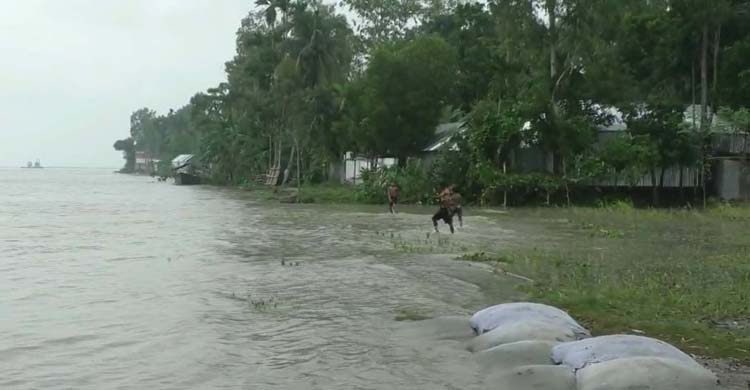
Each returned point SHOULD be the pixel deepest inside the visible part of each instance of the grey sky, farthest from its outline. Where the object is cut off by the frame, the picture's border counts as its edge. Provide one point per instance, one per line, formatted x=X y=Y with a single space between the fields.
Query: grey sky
x=72 y=71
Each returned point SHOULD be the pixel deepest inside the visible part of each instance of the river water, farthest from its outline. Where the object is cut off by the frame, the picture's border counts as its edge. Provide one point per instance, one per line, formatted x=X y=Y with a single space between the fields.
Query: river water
x=119 y=282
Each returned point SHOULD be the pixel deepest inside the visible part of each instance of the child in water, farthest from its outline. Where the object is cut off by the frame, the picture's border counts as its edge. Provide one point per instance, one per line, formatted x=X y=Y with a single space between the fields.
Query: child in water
x=393 y=193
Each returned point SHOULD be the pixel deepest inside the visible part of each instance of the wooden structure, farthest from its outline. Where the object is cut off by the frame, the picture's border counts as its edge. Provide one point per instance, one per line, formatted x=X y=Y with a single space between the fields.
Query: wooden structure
x=186 y=170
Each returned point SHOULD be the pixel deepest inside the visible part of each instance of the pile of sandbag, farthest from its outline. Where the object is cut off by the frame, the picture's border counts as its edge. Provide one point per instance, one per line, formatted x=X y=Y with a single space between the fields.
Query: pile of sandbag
x=514 y=345
x=623 y=362
x=525 y=346
x=523 y=321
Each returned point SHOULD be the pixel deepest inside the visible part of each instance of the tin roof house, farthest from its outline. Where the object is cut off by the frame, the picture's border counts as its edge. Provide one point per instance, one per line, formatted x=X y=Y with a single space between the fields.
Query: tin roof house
x=186 y=169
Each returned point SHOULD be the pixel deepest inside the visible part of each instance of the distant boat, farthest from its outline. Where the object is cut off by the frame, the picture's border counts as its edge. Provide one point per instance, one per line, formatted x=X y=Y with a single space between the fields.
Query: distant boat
x=36 y=165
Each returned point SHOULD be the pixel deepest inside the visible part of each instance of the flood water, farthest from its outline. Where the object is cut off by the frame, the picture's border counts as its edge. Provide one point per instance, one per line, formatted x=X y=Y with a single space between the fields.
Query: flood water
x=119 y=282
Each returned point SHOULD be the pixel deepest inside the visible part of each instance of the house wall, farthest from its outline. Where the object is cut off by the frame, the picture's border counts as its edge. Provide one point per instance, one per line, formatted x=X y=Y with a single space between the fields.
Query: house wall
x=349 y=170
x=337 y=172
x=731 y=179
x=532 y=159
x=731 y=144
x=690 y=178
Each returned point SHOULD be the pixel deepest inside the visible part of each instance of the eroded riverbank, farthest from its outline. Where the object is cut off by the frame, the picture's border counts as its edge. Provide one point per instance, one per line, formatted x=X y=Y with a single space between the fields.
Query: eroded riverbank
x=121 y=282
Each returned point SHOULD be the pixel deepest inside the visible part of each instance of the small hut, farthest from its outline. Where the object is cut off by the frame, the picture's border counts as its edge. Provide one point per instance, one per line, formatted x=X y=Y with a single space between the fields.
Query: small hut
x=186 y=170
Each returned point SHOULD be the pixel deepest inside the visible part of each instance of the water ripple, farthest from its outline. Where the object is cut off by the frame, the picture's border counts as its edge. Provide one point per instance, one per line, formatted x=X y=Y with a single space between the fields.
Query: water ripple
x=117 y=282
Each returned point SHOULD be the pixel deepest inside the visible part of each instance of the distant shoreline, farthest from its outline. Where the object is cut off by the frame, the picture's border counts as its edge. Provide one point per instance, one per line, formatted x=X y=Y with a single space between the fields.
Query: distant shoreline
x=55 y=167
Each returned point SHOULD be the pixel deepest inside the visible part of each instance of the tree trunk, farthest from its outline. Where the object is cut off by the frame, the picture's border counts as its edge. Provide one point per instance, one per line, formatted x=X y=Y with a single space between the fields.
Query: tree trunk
x=279 y=148
x=299 y=170
x=552 y=15
x=704 y=125
x=505 y=190
x=289 y=164
x=270 y=152
x=661 y=180
x=617 y=176
x=704 y=78
x=654 y=188
x=714 y=87
x=551 y=8
x=565 y=179
x=703 y=182
x=692 y=91
x=682 y=189
x=277 y=164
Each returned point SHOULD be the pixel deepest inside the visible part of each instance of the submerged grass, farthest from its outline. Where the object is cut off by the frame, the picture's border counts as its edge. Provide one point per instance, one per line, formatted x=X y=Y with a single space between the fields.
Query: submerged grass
x=680 y=276
x=329 y=193
x=413 y=314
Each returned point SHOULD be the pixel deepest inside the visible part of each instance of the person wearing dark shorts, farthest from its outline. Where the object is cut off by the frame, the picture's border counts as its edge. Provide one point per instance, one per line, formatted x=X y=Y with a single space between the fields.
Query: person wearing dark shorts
x=393 y=193
x=446 y=210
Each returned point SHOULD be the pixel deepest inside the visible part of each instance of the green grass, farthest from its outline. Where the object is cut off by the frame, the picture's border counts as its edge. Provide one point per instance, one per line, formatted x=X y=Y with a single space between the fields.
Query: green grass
x=326 y=193
x=675 y=275
x=329 y=193
x=484 y=257
x=677 y=302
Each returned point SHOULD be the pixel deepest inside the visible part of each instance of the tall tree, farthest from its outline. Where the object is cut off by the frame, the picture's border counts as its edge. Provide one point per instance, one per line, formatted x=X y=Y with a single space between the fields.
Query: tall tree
x=405 y=91
x=127 y=147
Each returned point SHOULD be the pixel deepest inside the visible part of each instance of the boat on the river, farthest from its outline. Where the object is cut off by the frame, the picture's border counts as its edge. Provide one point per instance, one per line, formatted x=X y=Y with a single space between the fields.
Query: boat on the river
x=186 y=170
x=36 y=165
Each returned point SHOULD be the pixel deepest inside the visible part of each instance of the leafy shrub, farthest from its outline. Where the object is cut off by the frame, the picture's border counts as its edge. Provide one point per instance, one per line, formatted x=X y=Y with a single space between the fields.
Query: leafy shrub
x=413 y=181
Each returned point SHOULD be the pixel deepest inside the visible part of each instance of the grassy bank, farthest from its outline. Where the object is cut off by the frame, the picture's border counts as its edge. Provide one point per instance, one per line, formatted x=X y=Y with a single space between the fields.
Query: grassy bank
x=675 y=275
x=681 y=276
x=327 y=193
x=330 y=194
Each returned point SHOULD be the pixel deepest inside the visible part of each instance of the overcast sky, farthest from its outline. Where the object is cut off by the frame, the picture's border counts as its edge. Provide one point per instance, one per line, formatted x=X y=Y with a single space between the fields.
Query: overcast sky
x=72 y=71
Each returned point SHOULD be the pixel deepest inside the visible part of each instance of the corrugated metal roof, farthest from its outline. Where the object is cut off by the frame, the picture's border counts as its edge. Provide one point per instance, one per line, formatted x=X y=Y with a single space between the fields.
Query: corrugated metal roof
x=693 y=111
x=443 y=134
x=181 y=160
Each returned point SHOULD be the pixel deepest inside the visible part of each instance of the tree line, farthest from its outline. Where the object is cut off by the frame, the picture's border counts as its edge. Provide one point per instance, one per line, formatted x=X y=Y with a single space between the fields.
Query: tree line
x=307 y=84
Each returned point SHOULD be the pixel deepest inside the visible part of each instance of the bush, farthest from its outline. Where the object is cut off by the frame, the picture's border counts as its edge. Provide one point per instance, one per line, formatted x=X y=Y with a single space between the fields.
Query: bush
x=454 y=166
x=413 y=181
x=522 y=187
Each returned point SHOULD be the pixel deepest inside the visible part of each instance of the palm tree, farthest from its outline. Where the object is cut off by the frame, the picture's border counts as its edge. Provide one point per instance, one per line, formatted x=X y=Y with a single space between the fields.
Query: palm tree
x=325 y=53
x=323 y=56
x=271 y=10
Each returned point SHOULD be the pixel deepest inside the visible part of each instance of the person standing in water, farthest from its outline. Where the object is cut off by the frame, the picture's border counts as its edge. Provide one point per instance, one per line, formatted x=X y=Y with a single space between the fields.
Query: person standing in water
x=393 y=193
x=446 y=210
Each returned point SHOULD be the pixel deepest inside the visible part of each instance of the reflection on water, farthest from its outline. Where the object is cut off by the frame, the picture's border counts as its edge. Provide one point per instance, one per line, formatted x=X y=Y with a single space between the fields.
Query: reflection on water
x=114 y=281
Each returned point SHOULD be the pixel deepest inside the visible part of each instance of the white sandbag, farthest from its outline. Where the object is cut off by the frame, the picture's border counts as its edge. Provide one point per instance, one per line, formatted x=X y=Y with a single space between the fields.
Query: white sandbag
x=500 y=315
x=533 y=378
x=522 y=353
x=579 y=354
x=651 y=373
x=523 y=331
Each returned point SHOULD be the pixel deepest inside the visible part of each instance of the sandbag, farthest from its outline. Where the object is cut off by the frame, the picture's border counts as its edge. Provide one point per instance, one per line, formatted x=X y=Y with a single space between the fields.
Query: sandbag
x=501 y=315
x=522 y=353
x=533 y=378
x=522 y=331
x=648 y=373
x=579 y=354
